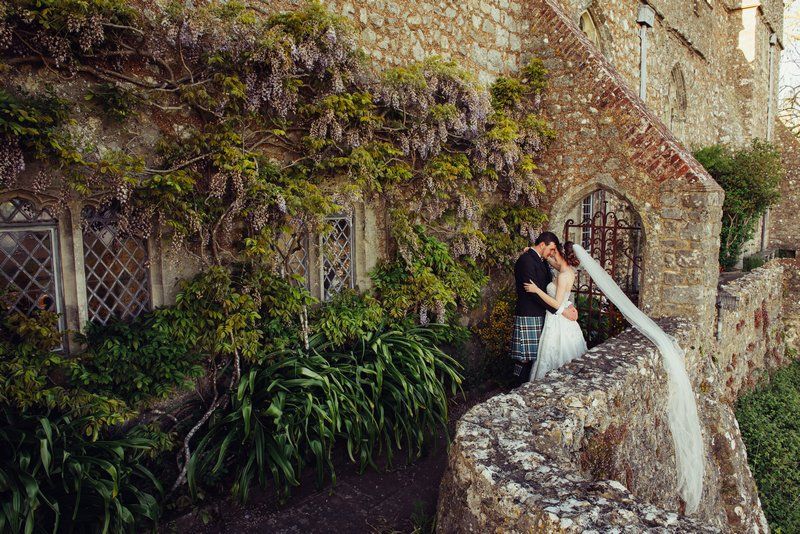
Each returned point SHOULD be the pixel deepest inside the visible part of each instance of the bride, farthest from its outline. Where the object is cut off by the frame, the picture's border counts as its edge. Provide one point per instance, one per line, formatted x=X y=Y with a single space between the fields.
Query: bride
x=561 y=340
x=564 y=342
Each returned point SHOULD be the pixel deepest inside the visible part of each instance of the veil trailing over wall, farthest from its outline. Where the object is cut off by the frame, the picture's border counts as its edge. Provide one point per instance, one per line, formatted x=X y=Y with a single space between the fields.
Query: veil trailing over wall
x=684 y=422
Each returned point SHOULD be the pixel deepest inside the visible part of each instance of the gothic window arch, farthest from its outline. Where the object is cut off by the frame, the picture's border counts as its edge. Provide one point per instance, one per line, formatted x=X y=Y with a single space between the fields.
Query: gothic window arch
x=30 y=270
x=587 y=24
x=676 y=102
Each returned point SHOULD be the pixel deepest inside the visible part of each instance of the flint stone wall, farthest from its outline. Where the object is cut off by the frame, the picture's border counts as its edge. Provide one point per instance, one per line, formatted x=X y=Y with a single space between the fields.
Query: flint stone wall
x=784 y=228
x=589 y=449
x=751 y=325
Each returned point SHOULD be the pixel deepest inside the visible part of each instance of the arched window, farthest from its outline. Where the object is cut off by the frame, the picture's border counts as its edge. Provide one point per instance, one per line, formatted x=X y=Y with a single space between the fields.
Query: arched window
x=676 y=103
x=587 y=26
x=30 y=273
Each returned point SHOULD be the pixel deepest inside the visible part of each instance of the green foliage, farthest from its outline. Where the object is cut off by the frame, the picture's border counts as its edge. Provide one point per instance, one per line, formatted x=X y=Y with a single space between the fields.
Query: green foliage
x=751 y=179
x=34 y=120
x=597 y=327
x=53 y=478
x=508 y=93
x=753 y=261
x=388 y=391
x=117 y=101
x=139 y=361
x=428 y=279
x=509 y=230
x=219 y=317
x=494 y=333
x=347 y=317
x=34 y=377
x=768 y=419
x=277 y=124
x=283 y=304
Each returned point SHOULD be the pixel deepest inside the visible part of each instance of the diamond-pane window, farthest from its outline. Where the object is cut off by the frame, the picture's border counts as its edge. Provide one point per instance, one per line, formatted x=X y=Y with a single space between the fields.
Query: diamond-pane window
x=29 y=269
x=293 y=252
x=116 y=267
x=337 y=256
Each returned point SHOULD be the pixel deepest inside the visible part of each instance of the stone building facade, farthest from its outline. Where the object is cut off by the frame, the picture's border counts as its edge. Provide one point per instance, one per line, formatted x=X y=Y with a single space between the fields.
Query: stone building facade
x=710 y=67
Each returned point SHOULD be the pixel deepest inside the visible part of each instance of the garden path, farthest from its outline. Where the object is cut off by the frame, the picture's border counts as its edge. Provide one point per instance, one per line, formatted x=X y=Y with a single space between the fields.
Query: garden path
x=400 y=499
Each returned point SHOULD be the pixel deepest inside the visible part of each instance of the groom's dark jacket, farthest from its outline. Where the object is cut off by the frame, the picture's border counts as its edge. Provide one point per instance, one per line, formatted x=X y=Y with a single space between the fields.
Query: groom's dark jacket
x=530 y=267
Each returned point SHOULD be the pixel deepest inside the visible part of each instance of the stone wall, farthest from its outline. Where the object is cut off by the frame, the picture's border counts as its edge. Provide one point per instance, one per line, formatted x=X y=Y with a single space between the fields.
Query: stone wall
x=485 y=36
x=791 y=305
x=721 y=47
x=750 y=328
x=708 y=41
x=589 y=448
x=608 y=139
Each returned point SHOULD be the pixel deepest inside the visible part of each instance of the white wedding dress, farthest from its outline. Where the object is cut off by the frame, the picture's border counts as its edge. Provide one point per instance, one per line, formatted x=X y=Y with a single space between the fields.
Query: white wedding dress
x=561 y=340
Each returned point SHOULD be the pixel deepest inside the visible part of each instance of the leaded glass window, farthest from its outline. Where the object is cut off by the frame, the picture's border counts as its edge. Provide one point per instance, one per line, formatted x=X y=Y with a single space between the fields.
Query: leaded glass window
x=337 y=256
x=116 y=267
x=294 y=255
x=29 y=262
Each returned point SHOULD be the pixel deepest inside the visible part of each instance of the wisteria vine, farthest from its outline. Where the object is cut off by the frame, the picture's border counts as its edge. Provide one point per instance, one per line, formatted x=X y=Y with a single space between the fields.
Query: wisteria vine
x=282 y=122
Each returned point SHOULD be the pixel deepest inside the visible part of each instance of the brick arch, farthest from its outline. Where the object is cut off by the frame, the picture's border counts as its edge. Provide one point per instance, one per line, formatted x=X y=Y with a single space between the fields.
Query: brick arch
x=608 y=137
x=563 y=207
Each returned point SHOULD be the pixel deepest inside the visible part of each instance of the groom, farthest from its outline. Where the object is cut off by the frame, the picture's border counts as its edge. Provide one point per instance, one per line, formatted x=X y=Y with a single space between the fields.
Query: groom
x=530 y=310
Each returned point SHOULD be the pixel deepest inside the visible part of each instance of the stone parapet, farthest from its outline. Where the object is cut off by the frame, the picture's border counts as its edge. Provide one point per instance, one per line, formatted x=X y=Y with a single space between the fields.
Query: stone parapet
x=750 y=329
x=588 y=449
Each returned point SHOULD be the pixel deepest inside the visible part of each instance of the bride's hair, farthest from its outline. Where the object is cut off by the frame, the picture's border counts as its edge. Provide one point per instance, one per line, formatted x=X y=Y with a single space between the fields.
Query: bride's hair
x=569 y=254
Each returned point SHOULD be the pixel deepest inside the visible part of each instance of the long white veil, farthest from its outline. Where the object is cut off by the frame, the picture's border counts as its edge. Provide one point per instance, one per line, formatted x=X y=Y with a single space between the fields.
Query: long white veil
x=684 y=422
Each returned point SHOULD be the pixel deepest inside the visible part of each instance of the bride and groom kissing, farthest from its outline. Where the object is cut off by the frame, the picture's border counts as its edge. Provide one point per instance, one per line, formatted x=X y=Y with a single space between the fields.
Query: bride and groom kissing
x=547 y=335
x=546 y=332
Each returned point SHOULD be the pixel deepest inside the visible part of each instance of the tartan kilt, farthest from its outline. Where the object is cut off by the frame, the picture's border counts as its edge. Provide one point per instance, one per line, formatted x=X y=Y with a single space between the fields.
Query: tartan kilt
x=525 y=338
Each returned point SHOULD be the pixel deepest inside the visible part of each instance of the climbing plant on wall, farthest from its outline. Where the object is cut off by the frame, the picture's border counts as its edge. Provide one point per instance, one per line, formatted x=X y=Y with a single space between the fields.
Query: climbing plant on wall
x=225 y=127
x=751 y=179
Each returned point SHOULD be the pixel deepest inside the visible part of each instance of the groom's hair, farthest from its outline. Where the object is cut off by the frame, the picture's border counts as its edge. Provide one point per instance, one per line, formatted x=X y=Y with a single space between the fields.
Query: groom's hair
x=547 y=238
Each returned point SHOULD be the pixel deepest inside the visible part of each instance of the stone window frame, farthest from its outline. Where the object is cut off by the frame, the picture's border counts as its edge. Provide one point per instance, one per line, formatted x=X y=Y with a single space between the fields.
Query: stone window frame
x=41 y=222
x=68 y=229
x=363 y=252
x=676 y=102
x=592 y=30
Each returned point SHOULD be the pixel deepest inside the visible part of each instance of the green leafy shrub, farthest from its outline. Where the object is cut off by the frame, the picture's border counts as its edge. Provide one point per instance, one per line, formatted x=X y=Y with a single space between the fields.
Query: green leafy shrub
x=428 y=279
x=752 y=262
x=347 y=317
x=33 y=376
x=283 y=306
x=61 y=468
x=145 y=359
x=494 y=333
x=387 y=392
x=751 y=179
x=768 y=419
x=597 y=327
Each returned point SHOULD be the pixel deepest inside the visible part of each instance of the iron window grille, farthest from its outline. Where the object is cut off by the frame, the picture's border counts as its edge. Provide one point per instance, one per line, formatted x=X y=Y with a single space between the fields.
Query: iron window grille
x=29 y=258
x=337 y=256
x=116 y=268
